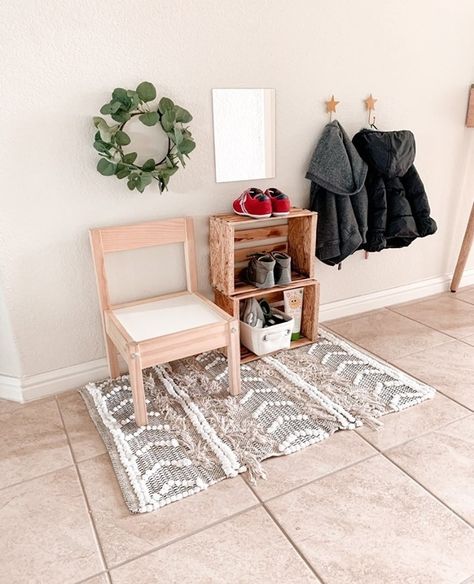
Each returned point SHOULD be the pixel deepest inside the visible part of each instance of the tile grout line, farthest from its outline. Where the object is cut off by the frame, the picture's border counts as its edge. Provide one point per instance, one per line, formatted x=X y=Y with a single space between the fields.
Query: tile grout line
x=377 y=452
x=445 y=505
x=392 y=309
x=451 y=398
x=323 y=476
x=84 y=494
x=379 y=357
x=40 y=476
x=430 y=431
x=463 y=340
x=186 y=536
x=290 y=541
x=103 y=573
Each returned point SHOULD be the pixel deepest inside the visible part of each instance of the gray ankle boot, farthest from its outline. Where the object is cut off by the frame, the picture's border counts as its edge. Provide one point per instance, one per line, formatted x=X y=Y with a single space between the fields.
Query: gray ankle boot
x=282 y=268
x=260 y=271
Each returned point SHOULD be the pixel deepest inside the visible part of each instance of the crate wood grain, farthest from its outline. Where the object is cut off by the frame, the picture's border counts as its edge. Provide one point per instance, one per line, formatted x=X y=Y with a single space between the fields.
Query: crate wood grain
x=233 y=239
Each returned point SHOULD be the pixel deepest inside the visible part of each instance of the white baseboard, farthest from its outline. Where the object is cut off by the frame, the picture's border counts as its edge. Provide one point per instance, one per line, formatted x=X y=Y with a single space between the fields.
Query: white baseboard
x=10 y=388
x=33 y=387
x=374 y=300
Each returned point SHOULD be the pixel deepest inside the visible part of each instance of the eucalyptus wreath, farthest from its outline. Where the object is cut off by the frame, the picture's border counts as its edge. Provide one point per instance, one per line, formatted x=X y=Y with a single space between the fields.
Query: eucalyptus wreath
x=110 y=140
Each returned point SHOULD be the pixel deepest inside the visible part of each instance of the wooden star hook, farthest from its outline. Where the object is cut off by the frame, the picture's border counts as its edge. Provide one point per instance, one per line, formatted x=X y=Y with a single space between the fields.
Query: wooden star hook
x=331 y=107
x=370 y=105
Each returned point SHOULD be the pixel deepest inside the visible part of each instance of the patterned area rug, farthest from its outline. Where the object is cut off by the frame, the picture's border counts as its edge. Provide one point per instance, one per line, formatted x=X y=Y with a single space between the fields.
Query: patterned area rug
x=199 y=435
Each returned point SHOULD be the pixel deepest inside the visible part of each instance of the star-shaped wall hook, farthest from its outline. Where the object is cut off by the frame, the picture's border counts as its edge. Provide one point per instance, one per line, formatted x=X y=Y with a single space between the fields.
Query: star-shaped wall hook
x=331 y=106
x=370 y=103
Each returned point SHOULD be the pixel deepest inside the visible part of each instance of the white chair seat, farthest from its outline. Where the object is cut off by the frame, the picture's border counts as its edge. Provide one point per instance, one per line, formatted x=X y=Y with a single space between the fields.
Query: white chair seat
x=164 y=317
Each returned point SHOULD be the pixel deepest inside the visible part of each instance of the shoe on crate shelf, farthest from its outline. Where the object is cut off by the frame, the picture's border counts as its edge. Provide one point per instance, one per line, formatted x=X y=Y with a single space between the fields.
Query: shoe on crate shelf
x=259 y=271
x=266 y=270
x=252 y=313
x=280 y=202
x=282 y=270
x=270 y=317
x=253 y=203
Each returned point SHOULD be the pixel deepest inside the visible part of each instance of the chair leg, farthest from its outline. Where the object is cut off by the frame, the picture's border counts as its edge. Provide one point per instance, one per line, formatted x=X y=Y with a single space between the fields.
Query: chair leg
x=233 y=358
x=112 y=357
x=138 y=391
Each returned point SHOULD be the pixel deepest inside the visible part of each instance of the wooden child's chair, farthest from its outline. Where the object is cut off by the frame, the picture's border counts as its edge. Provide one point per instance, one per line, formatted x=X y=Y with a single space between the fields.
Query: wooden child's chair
x=163 y=328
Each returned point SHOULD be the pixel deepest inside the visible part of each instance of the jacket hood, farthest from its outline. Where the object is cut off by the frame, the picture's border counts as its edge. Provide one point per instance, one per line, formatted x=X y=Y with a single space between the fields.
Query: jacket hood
x=336 y=165
x=391 y=154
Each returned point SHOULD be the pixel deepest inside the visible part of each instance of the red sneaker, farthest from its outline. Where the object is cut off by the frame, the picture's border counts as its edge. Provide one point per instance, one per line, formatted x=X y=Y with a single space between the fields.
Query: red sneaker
x=280 y=202
x=253 y=203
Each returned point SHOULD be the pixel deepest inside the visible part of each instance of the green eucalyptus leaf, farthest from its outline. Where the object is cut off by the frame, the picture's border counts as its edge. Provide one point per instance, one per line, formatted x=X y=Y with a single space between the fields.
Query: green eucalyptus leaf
x=122 y=138
x=106 y=132
x=149 y=165
x=167 y=120
x=121 y=116
x=101 y=146
x=133 y=180
x=130 y=157
x=122 y=171
x=164 y=183
x=120 y=95
x=186 y=146
x=106 y=167
x=146 y=179
x=177 y=136
x=110 y=108
x=146 y=91
x=182 y=115
x=135 y=100
x=180 y=157
x=149 y=119
x=167 y=172
x=98 y=120
x=165 y=104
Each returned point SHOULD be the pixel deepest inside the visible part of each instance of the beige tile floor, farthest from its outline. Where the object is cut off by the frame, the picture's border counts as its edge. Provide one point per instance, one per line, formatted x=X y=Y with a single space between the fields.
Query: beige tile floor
x=393 y=506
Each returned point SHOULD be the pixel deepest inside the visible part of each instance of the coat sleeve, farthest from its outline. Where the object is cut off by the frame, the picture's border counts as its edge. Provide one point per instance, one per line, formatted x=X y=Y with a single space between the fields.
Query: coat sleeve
x=328 y=247
x=416 y=196
x=377 y=212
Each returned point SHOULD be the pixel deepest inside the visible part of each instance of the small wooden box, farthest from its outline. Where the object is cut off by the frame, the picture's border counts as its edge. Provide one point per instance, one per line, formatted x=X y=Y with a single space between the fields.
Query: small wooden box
x=233 y=238
x=470 y=109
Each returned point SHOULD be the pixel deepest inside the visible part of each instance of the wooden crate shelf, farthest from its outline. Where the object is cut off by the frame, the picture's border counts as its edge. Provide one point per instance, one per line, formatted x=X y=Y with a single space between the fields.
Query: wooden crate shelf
x=234 y=238
x=297 y=280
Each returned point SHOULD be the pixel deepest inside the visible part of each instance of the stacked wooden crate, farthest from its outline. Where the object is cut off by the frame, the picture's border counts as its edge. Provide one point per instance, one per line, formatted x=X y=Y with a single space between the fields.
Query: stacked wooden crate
x=232 y=239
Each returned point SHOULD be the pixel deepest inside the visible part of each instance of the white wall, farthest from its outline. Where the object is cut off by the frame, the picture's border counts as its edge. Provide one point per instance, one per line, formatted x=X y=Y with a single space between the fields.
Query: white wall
x=61 y=59
x=9 y=357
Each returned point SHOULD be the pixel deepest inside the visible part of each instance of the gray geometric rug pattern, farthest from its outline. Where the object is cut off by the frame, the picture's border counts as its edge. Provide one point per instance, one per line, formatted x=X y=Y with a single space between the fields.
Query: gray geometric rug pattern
x=198 y=434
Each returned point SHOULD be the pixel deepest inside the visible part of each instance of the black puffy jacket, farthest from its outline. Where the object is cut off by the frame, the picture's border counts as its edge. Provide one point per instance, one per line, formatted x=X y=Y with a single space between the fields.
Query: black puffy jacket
x=398 y=208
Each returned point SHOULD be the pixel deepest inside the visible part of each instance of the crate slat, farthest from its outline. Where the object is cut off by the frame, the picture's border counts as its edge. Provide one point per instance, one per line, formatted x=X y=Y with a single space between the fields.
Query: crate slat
x=241 y=254
x=260 y=233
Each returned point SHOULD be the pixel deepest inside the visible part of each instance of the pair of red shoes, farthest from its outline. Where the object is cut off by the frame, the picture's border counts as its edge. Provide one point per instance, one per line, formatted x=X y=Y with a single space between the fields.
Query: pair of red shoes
x=261 y=205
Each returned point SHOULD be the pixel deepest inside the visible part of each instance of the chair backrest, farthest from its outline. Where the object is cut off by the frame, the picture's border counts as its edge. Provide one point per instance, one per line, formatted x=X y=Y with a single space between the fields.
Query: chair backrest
x=125 y=237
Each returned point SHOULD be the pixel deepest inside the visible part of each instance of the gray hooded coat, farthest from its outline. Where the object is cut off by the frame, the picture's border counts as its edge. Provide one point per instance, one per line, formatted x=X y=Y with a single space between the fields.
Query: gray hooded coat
x=337 y=174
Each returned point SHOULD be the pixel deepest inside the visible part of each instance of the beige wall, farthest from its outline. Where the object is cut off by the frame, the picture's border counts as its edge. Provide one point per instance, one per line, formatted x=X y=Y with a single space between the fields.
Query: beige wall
x=60 y=60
